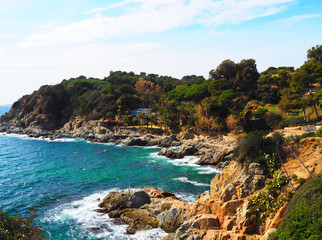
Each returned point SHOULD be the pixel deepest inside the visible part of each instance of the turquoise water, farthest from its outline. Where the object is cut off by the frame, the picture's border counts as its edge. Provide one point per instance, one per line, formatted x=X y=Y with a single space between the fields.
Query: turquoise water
x=65 y=178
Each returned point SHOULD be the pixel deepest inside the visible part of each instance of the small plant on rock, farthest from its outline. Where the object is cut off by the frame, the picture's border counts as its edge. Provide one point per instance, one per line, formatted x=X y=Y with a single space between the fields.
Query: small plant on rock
x=266 y=202
x=270 y=162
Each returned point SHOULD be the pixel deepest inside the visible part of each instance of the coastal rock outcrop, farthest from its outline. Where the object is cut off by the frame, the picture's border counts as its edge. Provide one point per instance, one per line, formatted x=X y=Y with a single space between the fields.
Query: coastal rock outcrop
x=186 y=149
x=217 y=151
x=146 y=208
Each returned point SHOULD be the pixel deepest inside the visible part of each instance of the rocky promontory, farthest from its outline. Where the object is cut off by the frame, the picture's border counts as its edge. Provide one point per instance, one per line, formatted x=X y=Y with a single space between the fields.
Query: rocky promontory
x=223 y=212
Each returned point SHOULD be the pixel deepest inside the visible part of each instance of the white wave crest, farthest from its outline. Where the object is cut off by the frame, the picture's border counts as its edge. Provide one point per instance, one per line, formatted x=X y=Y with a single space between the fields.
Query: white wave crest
x=81 y=216
x=186 y=180
x=26 y=137
x=190 y=161
x=187 y=197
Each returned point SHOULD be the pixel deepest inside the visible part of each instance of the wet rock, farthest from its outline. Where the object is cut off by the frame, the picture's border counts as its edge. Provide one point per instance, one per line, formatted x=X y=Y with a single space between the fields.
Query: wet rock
x=146 y=208
x=168 y=141
x=133 y=141
x=130 y=198
x=168 y=152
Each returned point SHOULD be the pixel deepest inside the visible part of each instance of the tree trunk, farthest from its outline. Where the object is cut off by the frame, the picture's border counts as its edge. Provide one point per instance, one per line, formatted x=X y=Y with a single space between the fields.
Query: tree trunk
x=316 y=112
x=304 y=115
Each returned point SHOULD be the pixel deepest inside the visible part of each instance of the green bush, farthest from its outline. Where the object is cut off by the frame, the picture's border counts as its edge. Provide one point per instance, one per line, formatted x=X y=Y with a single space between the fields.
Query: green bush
x=304 y=214
x=17 y=227
x=318 y=133
x=263 y=204
x=256 y=147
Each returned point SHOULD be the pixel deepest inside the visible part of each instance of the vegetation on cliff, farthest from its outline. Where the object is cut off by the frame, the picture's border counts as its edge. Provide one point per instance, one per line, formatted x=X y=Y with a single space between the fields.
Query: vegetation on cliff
x=303 y=219
x=234 y=97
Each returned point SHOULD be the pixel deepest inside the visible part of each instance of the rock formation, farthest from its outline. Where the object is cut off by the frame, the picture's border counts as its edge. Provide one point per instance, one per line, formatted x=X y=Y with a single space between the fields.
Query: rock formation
x=223 y=212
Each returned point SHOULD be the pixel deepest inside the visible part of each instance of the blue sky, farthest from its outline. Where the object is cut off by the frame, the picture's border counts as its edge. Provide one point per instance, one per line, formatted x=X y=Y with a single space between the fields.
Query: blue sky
x=46 y=41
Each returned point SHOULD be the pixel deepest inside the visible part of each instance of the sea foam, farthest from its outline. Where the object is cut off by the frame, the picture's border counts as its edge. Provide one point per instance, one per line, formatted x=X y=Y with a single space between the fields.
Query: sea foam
x=82 y=212
x=190 y=161
x=186 y=180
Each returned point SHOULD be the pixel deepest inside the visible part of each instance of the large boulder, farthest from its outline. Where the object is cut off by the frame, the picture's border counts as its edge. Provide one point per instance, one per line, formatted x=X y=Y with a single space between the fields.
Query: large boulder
x=130 y=198
x=188 y=149
x=168 y=152
x=134 y=141
x=146 y=208
x=171 y=219
x=169 y=141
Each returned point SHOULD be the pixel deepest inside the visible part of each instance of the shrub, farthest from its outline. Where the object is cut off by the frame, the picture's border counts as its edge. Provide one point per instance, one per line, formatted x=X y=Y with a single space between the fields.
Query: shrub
x=318 y=133
x=17 y=227
x=255 y=146
x=303 y=220
x=264 y=203
x=270 y=162
x=273 y=119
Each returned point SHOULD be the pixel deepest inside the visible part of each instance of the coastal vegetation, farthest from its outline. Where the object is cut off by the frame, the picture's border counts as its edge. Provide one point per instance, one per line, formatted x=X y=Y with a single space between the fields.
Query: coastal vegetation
x=235 y=99
x=18 y=227
x=303 y=219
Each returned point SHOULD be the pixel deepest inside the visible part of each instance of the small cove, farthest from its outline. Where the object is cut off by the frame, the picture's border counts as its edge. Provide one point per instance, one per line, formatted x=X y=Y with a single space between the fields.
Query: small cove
x=65 y=178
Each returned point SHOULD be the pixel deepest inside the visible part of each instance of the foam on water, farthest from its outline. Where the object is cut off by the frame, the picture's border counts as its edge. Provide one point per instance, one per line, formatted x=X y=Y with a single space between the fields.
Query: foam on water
x=26 y=137
x=65 y=179
x=190 y=161
x=186 y=180
x=186 y=197
x=82 y=212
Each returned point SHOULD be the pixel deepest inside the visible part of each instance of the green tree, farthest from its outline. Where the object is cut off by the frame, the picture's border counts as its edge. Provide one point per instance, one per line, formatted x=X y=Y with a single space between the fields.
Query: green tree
x=305 y=81
x=315 y=53
x=17 y=227
x=227 y=69
x=247 y=76
x=197 y=93
x=217 y=86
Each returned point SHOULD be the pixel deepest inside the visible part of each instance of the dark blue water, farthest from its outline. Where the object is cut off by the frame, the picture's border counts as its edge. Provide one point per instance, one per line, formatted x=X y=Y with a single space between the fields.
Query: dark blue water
x=65 y=178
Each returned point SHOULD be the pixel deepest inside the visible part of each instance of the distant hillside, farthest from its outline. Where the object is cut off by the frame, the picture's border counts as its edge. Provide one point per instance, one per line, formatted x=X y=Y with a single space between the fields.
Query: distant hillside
x=4 y=109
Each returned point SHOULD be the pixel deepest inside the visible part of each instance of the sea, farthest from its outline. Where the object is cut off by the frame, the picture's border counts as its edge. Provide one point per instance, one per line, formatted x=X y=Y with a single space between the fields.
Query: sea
x=65 y=179
x=4 y=109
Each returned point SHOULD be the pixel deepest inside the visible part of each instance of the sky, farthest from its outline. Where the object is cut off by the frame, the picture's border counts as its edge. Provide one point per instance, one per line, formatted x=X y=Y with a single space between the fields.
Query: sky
x=45 y=41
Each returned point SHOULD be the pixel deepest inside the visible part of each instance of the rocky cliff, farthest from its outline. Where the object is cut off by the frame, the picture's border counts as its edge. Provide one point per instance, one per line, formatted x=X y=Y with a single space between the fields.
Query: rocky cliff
x=226 y=211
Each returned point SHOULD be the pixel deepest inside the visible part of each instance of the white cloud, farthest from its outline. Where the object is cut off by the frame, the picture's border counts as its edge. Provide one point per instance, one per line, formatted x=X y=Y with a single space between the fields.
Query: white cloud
x=289 y=22
x=95 y=10
x=146 y=16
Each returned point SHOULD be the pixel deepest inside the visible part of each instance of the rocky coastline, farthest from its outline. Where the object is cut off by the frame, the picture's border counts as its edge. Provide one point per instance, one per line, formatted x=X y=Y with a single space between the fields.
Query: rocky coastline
x=210 y=151
x=220 y=213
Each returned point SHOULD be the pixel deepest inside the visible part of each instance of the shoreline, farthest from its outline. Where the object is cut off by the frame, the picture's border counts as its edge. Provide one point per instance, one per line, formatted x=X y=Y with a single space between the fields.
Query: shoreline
x=215 y=151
